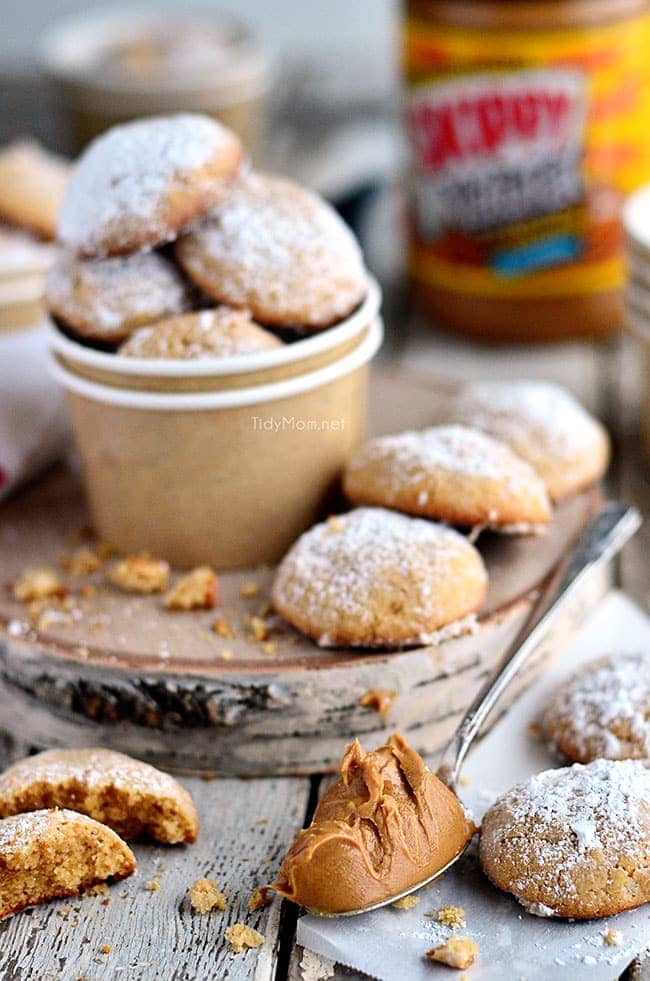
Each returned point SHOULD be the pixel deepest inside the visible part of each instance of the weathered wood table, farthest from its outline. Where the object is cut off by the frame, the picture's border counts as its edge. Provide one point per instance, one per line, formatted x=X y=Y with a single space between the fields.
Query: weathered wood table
x=247 y=824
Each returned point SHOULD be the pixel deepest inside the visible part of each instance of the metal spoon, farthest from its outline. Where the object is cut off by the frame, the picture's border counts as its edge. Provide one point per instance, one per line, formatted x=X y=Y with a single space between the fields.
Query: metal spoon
x=603 y=537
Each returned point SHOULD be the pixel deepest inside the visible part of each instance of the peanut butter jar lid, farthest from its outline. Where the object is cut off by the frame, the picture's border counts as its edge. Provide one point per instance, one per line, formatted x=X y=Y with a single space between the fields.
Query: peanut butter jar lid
x=126 y=52
x=525 y=14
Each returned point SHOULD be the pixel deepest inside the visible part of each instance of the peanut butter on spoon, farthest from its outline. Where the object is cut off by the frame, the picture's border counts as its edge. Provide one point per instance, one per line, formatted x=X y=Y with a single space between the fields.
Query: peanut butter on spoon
x=386 y=825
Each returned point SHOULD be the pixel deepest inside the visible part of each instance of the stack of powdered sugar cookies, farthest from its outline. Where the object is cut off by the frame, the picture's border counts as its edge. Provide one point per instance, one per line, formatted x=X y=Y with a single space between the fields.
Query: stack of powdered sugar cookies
x=173 y=248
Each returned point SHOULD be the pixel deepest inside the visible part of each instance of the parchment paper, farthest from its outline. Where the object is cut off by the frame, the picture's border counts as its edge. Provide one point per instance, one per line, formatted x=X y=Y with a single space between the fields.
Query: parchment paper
x=389 y=944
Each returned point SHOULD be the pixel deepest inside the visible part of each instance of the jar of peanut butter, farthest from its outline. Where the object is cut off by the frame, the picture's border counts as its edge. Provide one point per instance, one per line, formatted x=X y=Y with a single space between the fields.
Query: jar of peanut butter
x=527 y=124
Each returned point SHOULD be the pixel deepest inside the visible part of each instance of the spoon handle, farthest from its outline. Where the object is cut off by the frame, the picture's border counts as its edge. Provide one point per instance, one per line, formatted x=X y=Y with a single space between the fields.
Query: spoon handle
x=603 y=537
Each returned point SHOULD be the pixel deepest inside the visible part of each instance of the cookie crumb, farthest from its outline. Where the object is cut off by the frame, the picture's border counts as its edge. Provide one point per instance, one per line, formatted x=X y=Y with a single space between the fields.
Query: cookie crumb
x=100 y=889
x=153 y=885
x=64 y=912
x=83 y=562
x=105 y=949
x=249 y=590
x=226 y=655
x=458 y=952
x=258 y=629
x=451 y=916
x=406 y=902
x=140 y=574
x=259 y=899
x=270 y=648
x=378 y=699
x=613 y=938
x=223 y=628
x=242 y=937
x=198 y=590
x=205 y=896
x=37 y=584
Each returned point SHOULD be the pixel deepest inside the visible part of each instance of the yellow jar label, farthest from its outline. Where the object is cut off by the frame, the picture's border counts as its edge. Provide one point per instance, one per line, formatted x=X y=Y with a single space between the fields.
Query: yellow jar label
x=522 y=146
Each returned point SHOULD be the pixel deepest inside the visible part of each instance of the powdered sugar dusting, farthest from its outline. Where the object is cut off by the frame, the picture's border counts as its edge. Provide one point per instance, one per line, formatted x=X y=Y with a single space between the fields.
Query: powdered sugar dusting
x=107 y=298
x=124 y=177
x=564 y=825
x=376 y=569
x=542 y=422
x=408 y=460
x=280 y=250
x=604 y=710
x=211 y=333
x=19 y=832
x=94 y=769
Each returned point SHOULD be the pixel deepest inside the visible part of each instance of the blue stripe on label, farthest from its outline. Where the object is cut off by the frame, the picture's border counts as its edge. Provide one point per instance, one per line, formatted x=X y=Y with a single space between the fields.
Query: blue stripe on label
x=542 y=254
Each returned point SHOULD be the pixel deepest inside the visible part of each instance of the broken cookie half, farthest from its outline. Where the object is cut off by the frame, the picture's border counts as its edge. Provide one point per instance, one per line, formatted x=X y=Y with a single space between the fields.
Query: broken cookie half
x=50 y=854
x=131 y=797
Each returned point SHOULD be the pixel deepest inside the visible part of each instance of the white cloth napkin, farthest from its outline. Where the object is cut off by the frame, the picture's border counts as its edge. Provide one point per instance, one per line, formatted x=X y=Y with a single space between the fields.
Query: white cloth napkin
x=34 y=429
x=389 y=944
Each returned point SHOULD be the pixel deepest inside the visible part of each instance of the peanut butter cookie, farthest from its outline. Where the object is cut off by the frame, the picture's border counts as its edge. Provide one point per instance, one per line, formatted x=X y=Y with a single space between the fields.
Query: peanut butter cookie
x=32 y=183
x=49 y=854
x=139 y=184
x=542 y=423
x=218 y=333
x=573 y=842
x=129 y=796
x=104 y=300
x=602 y=711
x=280 y=251
x=375 y=578
x=452 y=473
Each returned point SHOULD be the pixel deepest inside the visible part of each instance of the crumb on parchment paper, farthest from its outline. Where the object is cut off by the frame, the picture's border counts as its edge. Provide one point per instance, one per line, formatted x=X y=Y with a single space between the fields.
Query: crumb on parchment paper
x=458 y=952
x=406 y=902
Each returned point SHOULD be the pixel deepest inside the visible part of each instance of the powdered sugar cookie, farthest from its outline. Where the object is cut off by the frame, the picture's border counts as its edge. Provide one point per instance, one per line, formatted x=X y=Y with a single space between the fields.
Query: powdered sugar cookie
x=218 y=333
x=452 y=473
x=573 y=842
x=104 y=300
x=32 y=183
x=542 y=423
x=129 y=796
x=49 y=854
x=603 y=710
x=375 y=578
x=279 y=250
x=138 y=185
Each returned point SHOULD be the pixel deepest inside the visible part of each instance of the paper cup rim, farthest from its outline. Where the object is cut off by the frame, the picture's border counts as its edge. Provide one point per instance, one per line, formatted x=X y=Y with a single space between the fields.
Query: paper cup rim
x=236 y=364
x=230 y=399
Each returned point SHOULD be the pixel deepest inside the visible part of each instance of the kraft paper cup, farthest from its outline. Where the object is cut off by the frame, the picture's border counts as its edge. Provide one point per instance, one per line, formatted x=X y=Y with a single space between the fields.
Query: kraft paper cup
x=208 y=374
x=234 y=90
x=228 y=476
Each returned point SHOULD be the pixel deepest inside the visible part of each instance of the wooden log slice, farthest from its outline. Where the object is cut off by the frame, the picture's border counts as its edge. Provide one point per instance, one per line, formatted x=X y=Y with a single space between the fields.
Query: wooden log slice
x=120 y=671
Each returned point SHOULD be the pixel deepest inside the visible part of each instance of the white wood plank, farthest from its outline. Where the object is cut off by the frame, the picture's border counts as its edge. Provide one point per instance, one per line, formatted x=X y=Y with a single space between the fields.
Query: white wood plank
x=246 y=827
